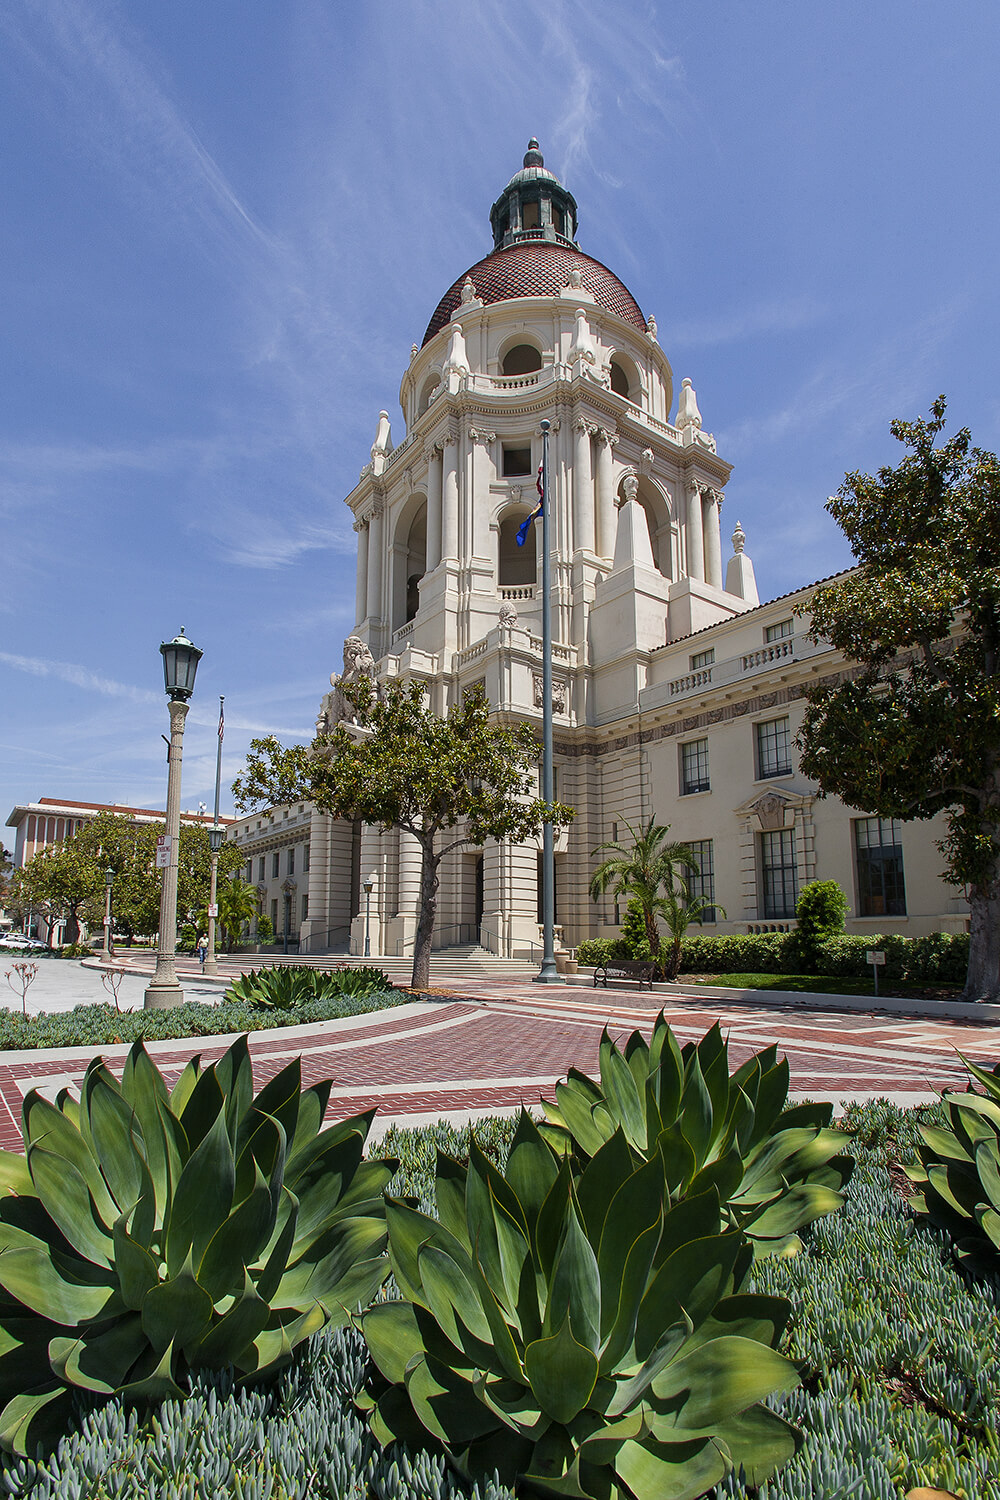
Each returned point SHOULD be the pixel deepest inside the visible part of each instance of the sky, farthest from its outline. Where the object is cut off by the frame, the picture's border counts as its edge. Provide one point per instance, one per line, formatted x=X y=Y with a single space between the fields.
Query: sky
x=225 y=224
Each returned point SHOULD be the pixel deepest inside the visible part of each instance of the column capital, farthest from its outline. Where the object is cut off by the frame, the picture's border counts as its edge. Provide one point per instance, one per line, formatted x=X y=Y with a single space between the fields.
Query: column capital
x=606 y=437
x=716 y=497
x=447 y=440
x=694 y=487
x=432 y=451
x=361 y=524
x=478 y=435
x=378 y=506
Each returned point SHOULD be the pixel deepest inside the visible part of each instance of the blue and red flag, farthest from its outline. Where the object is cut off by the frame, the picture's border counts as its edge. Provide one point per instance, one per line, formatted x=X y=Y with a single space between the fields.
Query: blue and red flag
x=525 y=526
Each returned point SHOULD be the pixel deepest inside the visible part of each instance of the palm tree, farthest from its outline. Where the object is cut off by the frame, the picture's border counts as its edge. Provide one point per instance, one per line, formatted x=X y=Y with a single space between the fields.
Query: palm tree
x=679 y=909
x=237 y=905
x=643 y=872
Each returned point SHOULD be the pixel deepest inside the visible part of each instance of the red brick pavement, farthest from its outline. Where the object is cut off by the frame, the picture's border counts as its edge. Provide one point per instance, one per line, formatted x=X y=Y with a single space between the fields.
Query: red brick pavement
x=500 y=1044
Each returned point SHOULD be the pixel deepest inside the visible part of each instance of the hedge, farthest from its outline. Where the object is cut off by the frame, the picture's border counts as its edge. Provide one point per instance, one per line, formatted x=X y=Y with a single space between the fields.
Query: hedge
x=940 y=957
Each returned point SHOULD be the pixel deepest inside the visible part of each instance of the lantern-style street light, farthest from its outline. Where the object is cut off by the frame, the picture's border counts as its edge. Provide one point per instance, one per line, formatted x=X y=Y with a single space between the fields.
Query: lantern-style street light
x=109 y=880
x=369 y=886
x=180 y=663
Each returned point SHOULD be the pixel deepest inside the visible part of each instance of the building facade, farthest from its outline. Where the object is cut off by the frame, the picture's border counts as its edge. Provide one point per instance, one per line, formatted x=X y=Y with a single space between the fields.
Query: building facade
x=676 y=693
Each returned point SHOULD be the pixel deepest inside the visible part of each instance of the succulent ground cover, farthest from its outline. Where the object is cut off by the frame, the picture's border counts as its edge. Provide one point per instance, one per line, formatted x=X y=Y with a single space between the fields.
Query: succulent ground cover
x=104 y=1026
x=902 y=1383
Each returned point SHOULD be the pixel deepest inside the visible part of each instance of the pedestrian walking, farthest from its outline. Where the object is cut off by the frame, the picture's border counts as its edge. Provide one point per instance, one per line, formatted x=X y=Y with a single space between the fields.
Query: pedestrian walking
x=202 y=948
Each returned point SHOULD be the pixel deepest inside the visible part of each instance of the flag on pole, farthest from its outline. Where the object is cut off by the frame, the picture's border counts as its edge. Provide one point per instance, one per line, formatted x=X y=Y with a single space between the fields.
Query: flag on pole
x=222 y=720
x=525 y=526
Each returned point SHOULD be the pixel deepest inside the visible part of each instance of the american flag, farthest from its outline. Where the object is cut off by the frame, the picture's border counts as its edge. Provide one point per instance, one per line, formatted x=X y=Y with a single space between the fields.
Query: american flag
x=222 y=718
x=526 y=524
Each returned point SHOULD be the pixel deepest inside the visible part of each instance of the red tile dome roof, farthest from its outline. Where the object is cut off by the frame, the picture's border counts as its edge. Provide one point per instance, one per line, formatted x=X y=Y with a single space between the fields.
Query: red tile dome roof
x=538 y=268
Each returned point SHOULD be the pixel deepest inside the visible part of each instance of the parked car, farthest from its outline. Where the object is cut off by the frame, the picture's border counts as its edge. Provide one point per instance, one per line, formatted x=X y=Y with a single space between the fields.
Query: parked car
x=19 y=941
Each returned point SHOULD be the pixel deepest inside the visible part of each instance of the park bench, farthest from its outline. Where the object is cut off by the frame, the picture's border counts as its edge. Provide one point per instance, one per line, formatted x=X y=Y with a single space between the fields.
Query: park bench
x=641 y=970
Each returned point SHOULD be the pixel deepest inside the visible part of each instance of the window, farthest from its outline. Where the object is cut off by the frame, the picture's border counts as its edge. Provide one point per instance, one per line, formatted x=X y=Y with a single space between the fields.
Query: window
x=779 y=878
x=274 y=915
x=779 y=632
x=619 y=380
x=694 y=767
x=305 y=858
x=879 y=850
x=275 y=865
x=774 y=748
x=305 y=907
x=260 y=868
x=523 y=359
x=558 y=221
x=530 y=215
x=248 y=872
x=702 y=659
x=701 y=881
x=291 y=860
x=516 y=462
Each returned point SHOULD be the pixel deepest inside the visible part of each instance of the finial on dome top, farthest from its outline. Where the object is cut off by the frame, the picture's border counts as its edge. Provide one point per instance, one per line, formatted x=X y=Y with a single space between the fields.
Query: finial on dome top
x=533 y=157
x=739 y=538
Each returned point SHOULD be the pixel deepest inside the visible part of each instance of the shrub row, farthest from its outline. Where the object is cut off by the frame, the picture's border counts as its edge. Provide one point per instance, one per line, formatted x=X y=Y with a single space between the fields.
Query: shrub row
x=940 y=957
x=902 y=1354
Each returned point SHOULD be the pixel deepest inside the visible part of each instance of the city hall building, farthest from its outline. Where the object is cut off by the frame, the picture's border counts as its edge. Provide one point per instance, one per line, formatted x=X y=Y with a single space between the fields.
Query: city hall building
x=676 y=692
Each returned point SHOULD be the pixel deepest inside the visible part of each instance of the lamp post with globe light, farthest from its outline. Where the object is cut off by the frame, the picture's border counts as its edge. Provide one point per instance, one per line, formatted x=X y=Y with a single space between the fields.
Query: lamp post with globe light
x=109 y=880
x=180 y=663
x=369 y=886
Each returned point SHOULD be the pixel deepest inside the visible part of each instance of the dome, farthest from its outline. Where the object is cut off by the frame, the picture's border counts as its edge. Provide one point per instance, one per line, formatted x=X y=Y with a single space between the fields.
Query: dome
x=538 y=268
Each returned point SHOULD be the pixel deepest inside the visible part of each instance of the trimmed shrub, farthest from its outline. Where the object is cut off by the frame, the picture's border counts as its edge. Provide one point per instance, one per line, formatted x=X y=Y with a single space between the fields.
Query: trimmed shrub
x=820 y=913
x=594 y=951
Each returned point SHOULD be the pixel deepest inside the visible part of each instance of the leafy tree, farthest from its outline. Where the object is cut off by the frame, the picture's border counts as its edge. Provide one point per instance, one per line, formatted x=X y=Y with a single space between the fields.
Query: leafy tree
x=407 y=768
x=111 y=841
x=678 y=910
x=643 y=871
x=820 y=913
x=238 y=903
x=916 y=729
x=63 y=882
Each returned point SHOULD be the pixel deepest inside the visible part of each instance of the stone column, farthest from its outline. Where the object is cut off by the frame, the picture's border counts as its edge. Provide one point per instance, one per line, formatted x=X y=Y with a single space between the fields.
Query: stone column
x=410 y=868
x=605 y=494
x=433 y=508
x=449 y=498
x=375 y=561
x=478 y=508
x=713 y=540
x=583 y=488
x=361 y=585
x=695 y=533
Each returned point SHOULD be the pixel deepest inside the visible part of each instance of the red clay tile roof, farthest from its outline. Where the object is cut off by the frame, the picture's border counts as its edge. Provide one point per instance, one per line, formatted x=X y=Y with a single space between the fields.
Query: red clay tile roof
x=538 y=268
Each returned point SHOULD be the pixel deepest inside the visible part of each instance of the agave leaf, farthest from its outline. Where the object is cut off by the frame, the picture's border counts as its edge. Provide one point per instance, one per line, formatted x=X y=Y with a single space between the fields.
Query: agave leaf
x=988 y=1167
x=201 y=1109
x=759 y=1441
x=679 y=1161
x=451 y=1296
x=140 y=1077
x=203 y=1196
x=549 y=1225
x=99 y=1363
x=409 y=1230
x=449 y=1193
x=815 y=1114
x=234 y=1073
x=772 y=1095
x=319 y=1273
x=725 y=1175
x=276 y=1252
x=634 y=1387
x=989 y=1222
x=681 y=1470
x=576 y=1286
x=610 y=1166
x=602 y=1448
x=226 y=1341
x=185 y=1085
x=445 y=1403
x=279 y=1098
x=42 y=1122
x=34 y=1417
x=502 y=1337
x=177 y=1311
x=690 y=1219
x=53 y=1285
x=804 y=1202
x=575 y=1105
x=748 y=1314
x=136 y=1268
x=562 y=1373
x=273 y=1347
x=696 y=1120
x=367 y=1187
x=713 y=1060
x=619 y=1329
x=625 y=1099
x=722 y=1378
x=943 y=1143
x=14 y=1175
x=393 y=1337
x=237 y=1242
x=990 y=1081
x=336 y=1151
x=689 y=1283
x=68 y=1202
x=156 y=1383
x=264 y=1147
x=531 y=1167
x=981 y=1116
x=635 y=1208
x=312 y=1110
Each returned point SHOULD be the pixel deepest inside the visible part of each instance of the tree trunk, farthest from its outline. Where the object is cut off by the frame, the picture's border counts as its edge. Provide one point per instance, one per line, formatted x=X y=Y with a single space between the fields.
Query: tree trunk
x=982 y=980
x=652 y=938
x=428 y=915
x=72 y=933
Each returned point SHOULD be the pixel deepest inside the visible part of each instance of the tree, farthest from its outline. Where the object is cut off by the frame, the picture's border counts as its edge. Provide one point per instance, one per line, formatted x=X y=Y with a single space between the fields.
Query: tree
x=679 y=909
x=403 y=767
x=62 y=881
x=643 y=872
x=915 y=730
x=238 y=904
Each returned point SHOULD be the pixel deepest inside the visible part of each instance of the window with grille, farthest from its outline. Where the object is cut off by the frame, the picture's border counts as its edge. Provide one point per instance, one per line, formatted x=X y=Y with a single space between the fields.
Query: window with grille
x=694 y=767
x=305 y=858
x=879 y=853
x=774 y=748
x=291 y=860
x=779 y=632
x=701 y=880
x=275 y=865
x=305 y=907
x=778 y=875
x=260 y=868
x=702 y=659
x=249 y=870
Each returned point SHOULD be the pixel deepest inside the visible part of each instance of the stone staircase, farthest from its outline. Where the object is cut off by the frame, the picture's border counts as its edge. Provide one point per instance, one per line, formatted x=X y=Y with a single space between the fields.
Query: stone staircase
x=449 y=966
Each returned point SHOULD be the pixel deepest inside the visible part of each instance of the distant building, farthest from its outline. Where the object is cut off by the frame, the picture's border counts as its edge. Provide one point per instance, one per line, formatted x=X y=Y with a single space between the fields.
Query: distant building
x=675 y=691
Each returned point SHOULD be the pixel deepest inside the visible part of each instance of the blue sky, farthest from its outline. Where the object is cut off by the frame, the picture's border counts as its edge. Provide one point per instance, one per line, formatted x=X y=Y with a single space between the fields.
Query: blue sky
x=224 y=225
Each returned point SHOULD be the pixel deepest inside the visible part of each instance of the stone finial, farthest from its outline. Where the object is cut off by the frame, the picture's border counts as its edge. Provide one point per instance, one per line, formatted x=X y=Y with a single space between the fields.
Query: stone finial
x=468 y=291
x=575 y=279
x=651 y=329
x=508 y=614
x=630 y=485
x=688 y=414
x=383 y=441
x=740 y=579
x=583 y=345
x=739 y=539
x=456 y=359
x=414 y=351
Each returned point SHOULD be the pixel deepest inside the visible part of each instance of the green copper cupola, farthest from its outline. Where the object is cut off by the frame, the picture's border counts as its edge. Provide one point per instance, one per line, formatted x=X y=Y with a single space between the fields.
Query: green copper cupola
x=533 y=206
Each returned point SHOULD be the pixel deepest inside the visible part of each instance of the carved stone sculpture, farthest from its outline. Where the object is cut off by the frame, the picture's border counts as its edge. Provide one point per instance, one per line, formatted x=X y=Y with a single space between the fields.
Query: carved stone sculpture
x=558 y=693
x=336 y=708
x=508 y=614
x=770 y=810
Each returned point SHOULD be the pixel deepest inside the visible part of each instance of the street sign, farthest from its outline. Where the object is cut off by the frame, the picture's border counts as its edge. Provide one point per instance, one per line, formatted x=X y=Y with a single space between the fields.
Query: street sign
x=875 y=956
x=213 y=910
x=164 y=844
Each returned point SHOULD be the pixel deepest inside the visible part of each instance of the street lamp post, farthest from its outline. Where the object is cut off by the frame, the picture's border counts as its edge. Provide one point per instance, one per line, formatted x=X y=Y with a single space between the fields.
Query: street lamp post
x=369 y=886
x=109 y=880
x=180 y=663
x=215 y=836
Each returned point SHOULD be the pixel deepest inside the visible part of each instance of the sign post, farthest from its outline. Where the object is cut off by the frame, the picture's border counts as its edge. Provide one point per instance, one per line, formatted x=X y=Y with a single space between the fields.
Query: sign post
x=164 y=844
x=876 y=957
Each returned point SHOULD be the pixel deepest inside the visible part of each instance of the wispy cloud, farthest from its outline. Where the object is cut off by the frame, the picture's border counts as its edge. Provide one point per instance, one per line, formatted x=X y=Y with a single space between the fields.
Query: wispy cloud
x=785 y=316
x=82 y=677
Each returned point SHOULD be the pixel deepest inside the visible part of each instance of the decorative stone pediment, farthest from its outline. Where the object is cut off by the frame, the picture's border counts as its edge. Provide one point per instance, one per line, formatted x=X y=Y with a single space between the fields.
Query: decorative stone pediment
x=774 y=808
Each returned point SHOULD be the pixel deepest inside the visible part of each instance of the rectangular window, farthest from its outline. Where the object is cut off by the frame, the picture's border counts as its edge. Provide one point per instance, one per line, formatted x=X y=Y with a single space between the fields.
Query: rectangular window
x=701 y=882
x=275 y=865
x=779 y=632
x=530 y=215
x=702 y=659
x=516 y=461
x=305 y=907
x=779 y=877
x=694 y=767
x=305 y=859
x=291 y=860
x=249 y=871
x=260 y=868
x=879 y=850
x=274 y=915
x=774 y=748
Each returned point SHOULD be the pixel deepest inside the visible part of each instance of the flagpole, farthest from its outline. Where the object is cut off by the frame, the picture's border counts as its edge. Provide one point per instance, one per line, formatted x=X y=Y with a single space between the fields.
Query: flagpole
x=215 y=844
x=547 y=974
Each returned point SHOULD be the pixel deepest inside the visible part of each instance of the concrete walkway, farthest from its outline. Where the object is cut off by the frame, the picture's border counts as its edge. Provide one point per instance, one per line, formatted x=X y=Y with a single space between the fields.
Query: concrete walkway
x=499 y=1044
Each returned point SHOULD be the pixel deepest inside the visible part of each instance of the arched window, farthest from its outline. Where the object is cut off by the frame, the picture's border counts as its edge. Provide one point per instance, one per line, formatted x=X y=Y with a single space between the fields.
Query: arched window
x=409 y=562
x=429 y=387
x=516 y=566
x=659 y=526
x=523 y=359
x=625 y=379
x=619 y=380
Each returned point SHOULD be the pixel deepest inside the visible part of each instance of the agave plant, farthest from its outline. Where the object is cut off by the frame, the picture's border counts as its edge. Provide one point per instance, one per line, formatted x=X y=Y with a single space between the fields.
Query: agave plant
x=149 y=1231
x=285 y=987
x=581 y=1336
x=958 y=1176
x=775 y=1168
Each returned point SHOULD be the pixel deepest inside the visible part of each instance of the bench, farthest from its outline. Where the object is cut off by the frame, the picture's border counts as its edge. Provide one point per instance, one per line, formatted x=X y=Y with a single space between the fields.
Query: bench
x=643 y=971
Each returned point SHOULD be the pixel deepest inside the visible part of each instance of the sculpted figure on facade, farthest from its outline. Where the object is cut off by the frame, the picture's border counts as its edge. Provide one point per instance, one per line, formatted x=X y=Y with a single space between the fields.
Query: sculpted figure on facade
x=336 y=708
